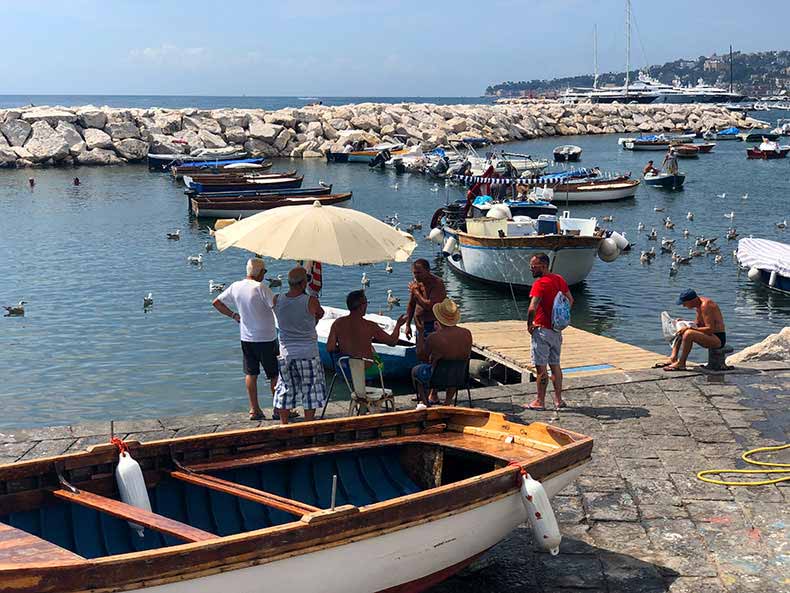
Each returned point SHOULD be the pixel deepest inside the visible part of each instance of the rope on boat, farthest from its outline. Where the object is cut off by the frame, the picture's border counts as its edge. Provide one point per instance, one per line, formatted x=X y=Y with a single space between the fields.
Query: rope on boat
x=746 y=457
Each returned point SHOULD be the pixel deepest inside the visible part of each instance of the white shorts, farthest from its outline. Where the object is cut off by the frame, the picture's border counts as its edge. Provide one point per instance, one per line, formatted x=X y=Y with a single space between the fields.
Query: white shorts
x=546 y=346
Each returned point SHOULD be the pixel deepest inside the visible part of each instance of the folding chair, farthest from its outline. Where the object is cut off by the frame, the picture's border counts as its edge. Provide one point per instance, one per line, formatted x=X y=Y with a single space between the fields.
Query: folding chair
x=364 y=399
x=452 y=374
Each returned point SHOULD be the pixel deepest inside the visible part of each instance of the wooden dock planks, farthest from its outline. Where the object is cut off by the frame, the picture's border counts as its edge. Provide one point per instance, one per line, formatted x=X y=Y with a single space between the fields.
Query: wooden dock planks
x=583 y=353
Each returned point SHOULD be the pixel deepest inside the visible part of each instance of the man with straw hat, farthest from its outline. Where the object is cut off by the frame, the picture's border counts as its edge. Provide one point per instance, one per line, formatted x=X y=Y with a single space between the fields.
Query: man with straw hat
x=447 y=342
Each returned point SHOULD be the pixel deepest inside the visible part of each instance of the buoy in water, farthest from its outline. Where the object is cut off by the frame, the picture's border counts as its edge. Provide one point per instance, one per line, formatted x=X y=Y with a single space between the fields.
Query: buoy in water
x=608 y=250
x=436 y=235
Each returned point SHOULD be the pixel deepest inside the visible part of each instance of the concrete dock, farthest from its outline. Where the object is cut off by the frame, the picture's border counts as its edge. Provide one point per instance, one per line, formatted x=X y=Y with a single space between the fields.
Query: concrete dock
x=637 y=520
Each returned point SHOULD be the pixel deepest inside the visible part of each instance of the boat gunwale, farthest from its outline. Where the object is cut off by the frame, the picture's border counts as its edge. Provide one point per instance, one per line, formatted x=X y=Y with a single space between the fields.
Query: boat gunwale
x=551 y=242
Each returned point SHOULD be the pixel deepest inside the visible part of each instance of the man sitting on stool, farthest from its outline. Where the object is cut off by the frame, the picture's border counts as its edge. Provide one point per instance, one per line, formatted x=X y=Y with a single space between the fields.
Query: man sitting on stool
x=447 y=342
x=709 y=332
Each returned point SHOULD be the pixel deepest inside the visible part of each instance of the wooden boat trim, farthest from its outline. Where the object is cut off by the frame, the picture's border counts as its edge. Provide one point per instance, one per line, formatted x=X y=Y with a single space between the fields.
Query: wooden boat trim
x=288 y=505
x=142 y=517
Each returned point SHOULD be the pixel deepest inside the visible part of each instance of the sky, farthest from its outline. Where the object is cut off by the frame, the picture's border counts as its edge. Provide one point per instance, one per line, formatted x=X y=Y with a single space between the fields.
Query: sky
x=354 y=48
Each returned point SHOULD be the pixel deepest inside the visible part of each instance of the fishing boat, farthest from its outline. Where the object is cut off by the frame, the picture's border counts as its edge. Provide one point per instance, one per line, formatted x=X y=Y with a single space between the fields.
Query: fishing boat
x=320 y=190
x=758 y=136
x=768 y=150
x=768 y=262
x=208 y=207
x=596 y=190
x=506 y=163
x=163 y=162
x=567 y=153
x=398 y=360
x=225 y=166
x=726 y=134
x=207 y=178
x=705 y=147
x=653 y=142
x=393 y=502
x=686 y=151
x=665 y=180
x=243 y=185
x=367 y=155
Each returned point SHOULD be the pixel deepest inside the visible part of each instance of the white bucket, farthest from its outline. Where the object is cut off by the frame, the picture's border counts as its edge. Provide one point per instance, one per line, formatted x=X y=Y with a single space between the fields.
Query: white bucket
x=619 y=240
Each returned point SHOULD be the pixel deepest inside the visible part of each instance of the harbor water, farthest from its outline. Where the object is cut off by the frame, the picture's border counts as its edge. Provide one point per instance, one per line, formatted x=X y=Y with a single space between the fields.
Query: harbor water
x=84 y=257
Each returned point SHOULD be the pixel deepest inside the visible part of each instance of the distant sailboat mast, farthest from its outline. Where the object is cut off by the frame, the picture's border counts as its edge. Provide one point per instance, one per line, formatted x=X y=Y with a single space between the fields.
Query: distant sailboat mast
x=627 y=44
x=595 y=52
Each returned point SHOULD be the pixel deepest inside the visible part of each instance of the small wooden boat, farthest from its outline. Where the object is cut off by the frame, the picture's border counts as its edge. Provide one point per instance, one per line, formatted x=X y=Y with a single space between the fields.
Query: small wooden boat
x=705 y=147
x=768 y=150
x=163 y=162
x=596 y=190
x=419 y=495
x=686 y=151
x=366 y=155
x=237 y=166
x=320 y=190
x=241 y=177
x=647 y=143
x=768 y=262
x=398 y=360
x=567 y=153
x=249 y=184
x=665 y=180
x=207 y=207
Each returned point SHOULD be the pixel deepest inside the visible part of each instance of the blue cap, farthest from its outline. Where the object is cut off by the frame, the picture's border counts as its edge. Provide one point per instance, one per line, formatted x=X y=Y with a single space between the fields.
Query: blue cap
x=687 y=295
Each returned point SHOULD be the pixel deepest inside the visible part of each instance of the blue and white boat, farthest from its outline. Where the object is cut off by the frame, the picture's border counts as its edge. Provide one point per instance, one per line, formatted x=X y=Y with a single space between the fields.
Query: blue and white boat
x=768 y=262
x=398 y=360
x=728 y=134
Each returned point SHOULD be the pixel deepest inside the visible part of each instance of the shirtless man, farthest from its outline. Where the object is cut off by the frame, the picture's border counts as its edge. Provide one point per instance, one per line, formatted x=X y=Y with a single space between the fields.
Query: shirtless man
x=447 y=342
x=709 y=332
x=353 y=335
x=426 y=291
x=649 y=168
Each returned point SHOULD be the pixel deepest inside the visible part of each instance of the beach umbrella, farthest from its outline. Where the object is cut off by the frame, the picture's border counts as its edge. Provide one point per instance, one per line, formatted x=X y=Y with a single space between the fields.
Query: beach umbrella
x=329 y=234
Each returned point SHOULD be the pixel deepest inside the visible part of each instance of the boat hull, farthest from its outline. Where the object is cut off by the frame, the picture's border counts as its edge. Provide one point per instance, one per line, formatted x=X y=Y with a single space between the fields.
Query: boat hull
x=508 y=265
x=361 y=156
x=284 y=183
x=406 y=560
x=643 y=146
x=666 y=181
x=596 y=192
x=782 y=284
x=756 y=153
x=207 y=208
x=163 y=162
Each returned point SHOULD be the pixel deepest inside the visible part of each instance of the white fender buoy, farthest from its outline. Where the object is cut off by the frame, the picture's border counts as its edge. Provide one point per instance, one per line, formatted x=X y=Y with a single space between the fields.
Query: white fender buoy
x=772 y=279
x=754 y=274
x=608 y=250
x=540 y=515
x=450 y=246
x=436 y=235
x=131 y=485
x=619 y=240
x=499 y=212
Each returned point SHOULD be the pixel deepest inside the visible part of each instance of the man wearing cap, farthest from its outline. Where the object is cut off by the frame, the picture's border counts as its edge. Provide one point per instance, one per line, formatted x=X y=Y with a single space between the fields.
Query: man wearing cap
x=708 y=333
x=254 y=302
x=447 y=342
x=546 y=342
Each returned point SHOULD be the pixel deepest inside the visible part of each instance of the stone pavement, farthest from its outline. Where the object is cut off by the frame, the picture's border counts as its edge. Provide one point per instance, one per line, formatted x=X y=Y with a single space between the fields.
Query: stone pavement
x=637 y=520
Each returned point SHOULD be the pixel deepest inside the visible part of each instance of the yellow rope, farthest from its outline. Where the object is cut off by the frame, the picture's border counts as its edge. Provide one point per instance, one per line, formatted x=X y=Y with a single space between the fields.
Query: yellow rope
x=701 y=475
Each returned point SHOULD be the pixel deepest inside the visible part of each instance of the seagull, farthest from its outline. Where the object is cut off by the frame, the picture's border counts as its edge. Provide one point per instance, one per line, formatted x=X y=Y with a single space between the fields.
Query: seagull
x=388 y=268
x=175 y=235
x=365 y=279
x=731 y=215
x=667 y=245
x=195 y=260
x=640 y=227
x=653 y=236
x=781 y=225
x=208 y=246
x=644 y=257
x=718 y=259
x=686 y=233
x=722 y=196
x=148 y=300
x=17 y=310
x=690 y=216
x=417 y=226
x=215 y=286
x=683 y=261
x=435 y=187
x=607 y=218
x=276 y=282
x=392 y=300
x=745 y=196
x=694 y=253
x=673 y=269
x=732 y=234
x=657 y=209
x=709 y=248
x=669 y=224
x=395 y=187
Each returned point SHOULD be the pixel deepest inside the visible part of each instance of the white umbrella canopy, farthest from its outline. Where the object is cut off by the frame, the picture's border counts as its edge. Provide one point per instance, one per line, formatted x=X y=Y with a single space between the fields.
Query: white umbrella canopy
x=329 y=234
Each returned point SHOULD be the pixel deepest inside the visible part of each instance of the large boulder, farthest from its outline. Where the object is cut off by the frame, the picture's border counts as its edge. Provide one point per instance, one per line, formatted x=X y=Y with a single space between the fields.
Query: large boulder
x=263 y=131
x=191 y=138
x=72 y=136
x=258 y=148
x=168 y=122
x=3 y=142
x=236 y=135
x=283 y=117
x=16 y=131
x=365 y=122
x=97 y=156
x=775 y=347
x=131 y=149
x=49 y=115
x=283 y=138
x=97 y=138
x=7 y=157
x=195 y=122
x=89 y=117
x=162 y=144
x=45 y=143
x=231 y=119
x=120 y=130
x=211 y=140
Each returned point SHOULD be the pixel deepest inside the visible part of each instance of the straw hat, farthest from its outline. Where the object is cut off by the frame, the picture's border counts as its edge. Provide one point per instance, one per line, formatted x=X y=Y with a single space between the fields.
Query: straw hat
x=447 y=312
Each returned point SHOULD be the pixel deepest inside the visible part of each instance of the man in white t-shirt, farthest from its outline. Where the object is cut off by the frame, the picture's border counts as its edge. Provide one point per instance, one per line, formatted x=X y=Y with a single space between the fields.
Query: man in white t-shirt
x=253 y=301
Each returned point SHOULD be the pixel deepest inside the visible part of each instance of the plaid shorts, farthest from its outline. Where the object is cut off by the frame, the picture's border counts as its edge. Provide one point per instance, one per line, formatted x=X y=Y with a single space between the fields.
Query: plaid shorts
x=301 y=383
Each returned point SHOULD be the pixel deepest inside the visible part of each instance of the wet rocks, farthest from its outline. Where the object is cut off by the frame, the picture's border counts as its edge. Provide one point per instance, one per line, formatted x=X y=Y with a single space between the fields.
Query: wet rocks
x=775 y=347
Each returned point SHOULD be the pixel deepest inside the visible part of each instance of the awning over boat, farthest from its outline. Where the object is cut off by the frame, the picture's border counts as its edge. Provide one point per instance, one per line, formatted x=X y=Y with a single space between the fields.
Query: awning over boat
x=763 y=254
x=550 y=178
x=729 y=132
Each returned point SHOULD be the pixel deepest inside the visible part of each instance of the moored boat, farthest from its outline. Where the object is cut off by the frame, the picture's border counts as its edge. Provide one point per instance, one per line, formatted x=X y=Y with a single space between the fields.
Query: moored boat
x=567 y=153
x=368 y=154
x=397 y=360
x=224 y=166
x=686 y=150
x=758 y=136
x=768 y=262
x=249 y=184
x=665 y=180
x=726 y=134
x=163 y=162
x=596 y=190
x=768 y=150
x=320 y=190
x=653 y=142
x=217 y=178
x=705 y=147
x=207 y=207
x=418 y=496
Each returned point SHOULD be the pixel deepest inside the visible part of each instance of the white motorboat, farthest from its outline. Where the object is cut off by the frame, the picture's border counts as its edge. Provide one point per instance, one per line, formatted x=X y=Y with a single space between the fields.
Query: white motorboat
x=768 y=262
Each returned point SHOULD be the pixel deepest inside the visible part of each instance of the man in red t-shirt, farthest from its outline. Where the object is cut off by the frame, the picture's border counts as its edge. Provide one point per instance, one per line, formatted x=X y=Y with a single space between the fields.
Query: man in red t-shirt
x=546 y=343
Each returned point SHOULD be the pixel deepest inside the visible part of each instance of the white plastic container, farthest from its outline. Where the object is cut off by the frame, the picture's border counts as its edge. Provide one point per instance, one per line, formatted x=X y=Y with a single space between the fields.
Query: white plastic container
x=131 y=485
x=620 y=240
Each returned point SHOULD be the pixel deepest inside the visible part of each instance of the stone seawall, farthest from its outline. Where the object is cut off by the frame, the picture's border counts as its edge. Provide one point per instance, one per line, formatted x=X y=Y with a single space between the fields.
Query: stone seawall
x=47 y=136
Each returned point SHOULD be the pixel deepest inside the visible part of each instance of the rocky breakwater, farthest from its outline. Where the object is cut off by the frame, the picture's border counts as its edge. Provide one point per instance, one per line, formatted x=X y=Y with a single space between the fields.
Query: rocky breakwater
x=45 y=136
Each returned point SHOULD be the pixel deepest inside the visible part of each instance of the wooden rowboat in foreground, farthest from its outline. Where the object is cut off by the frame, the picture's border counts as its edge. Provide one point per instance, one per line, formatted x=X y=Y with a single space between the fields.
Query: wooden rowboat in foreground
x=419 y=495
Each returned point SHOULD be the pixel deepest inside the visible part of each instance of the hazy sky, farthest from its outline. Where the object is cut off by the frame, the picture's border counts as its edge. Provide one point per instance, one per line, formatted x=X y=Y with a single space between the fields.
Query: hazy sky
x=354 y=48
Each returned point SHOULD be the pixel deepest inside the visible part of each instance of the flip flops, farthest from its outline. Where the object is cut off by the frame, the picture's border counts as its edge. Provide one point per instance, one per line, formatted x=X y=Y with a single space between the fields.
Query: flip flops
x=674 y=369
x=535 y=408
x=561 y=405
x=257 y=415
